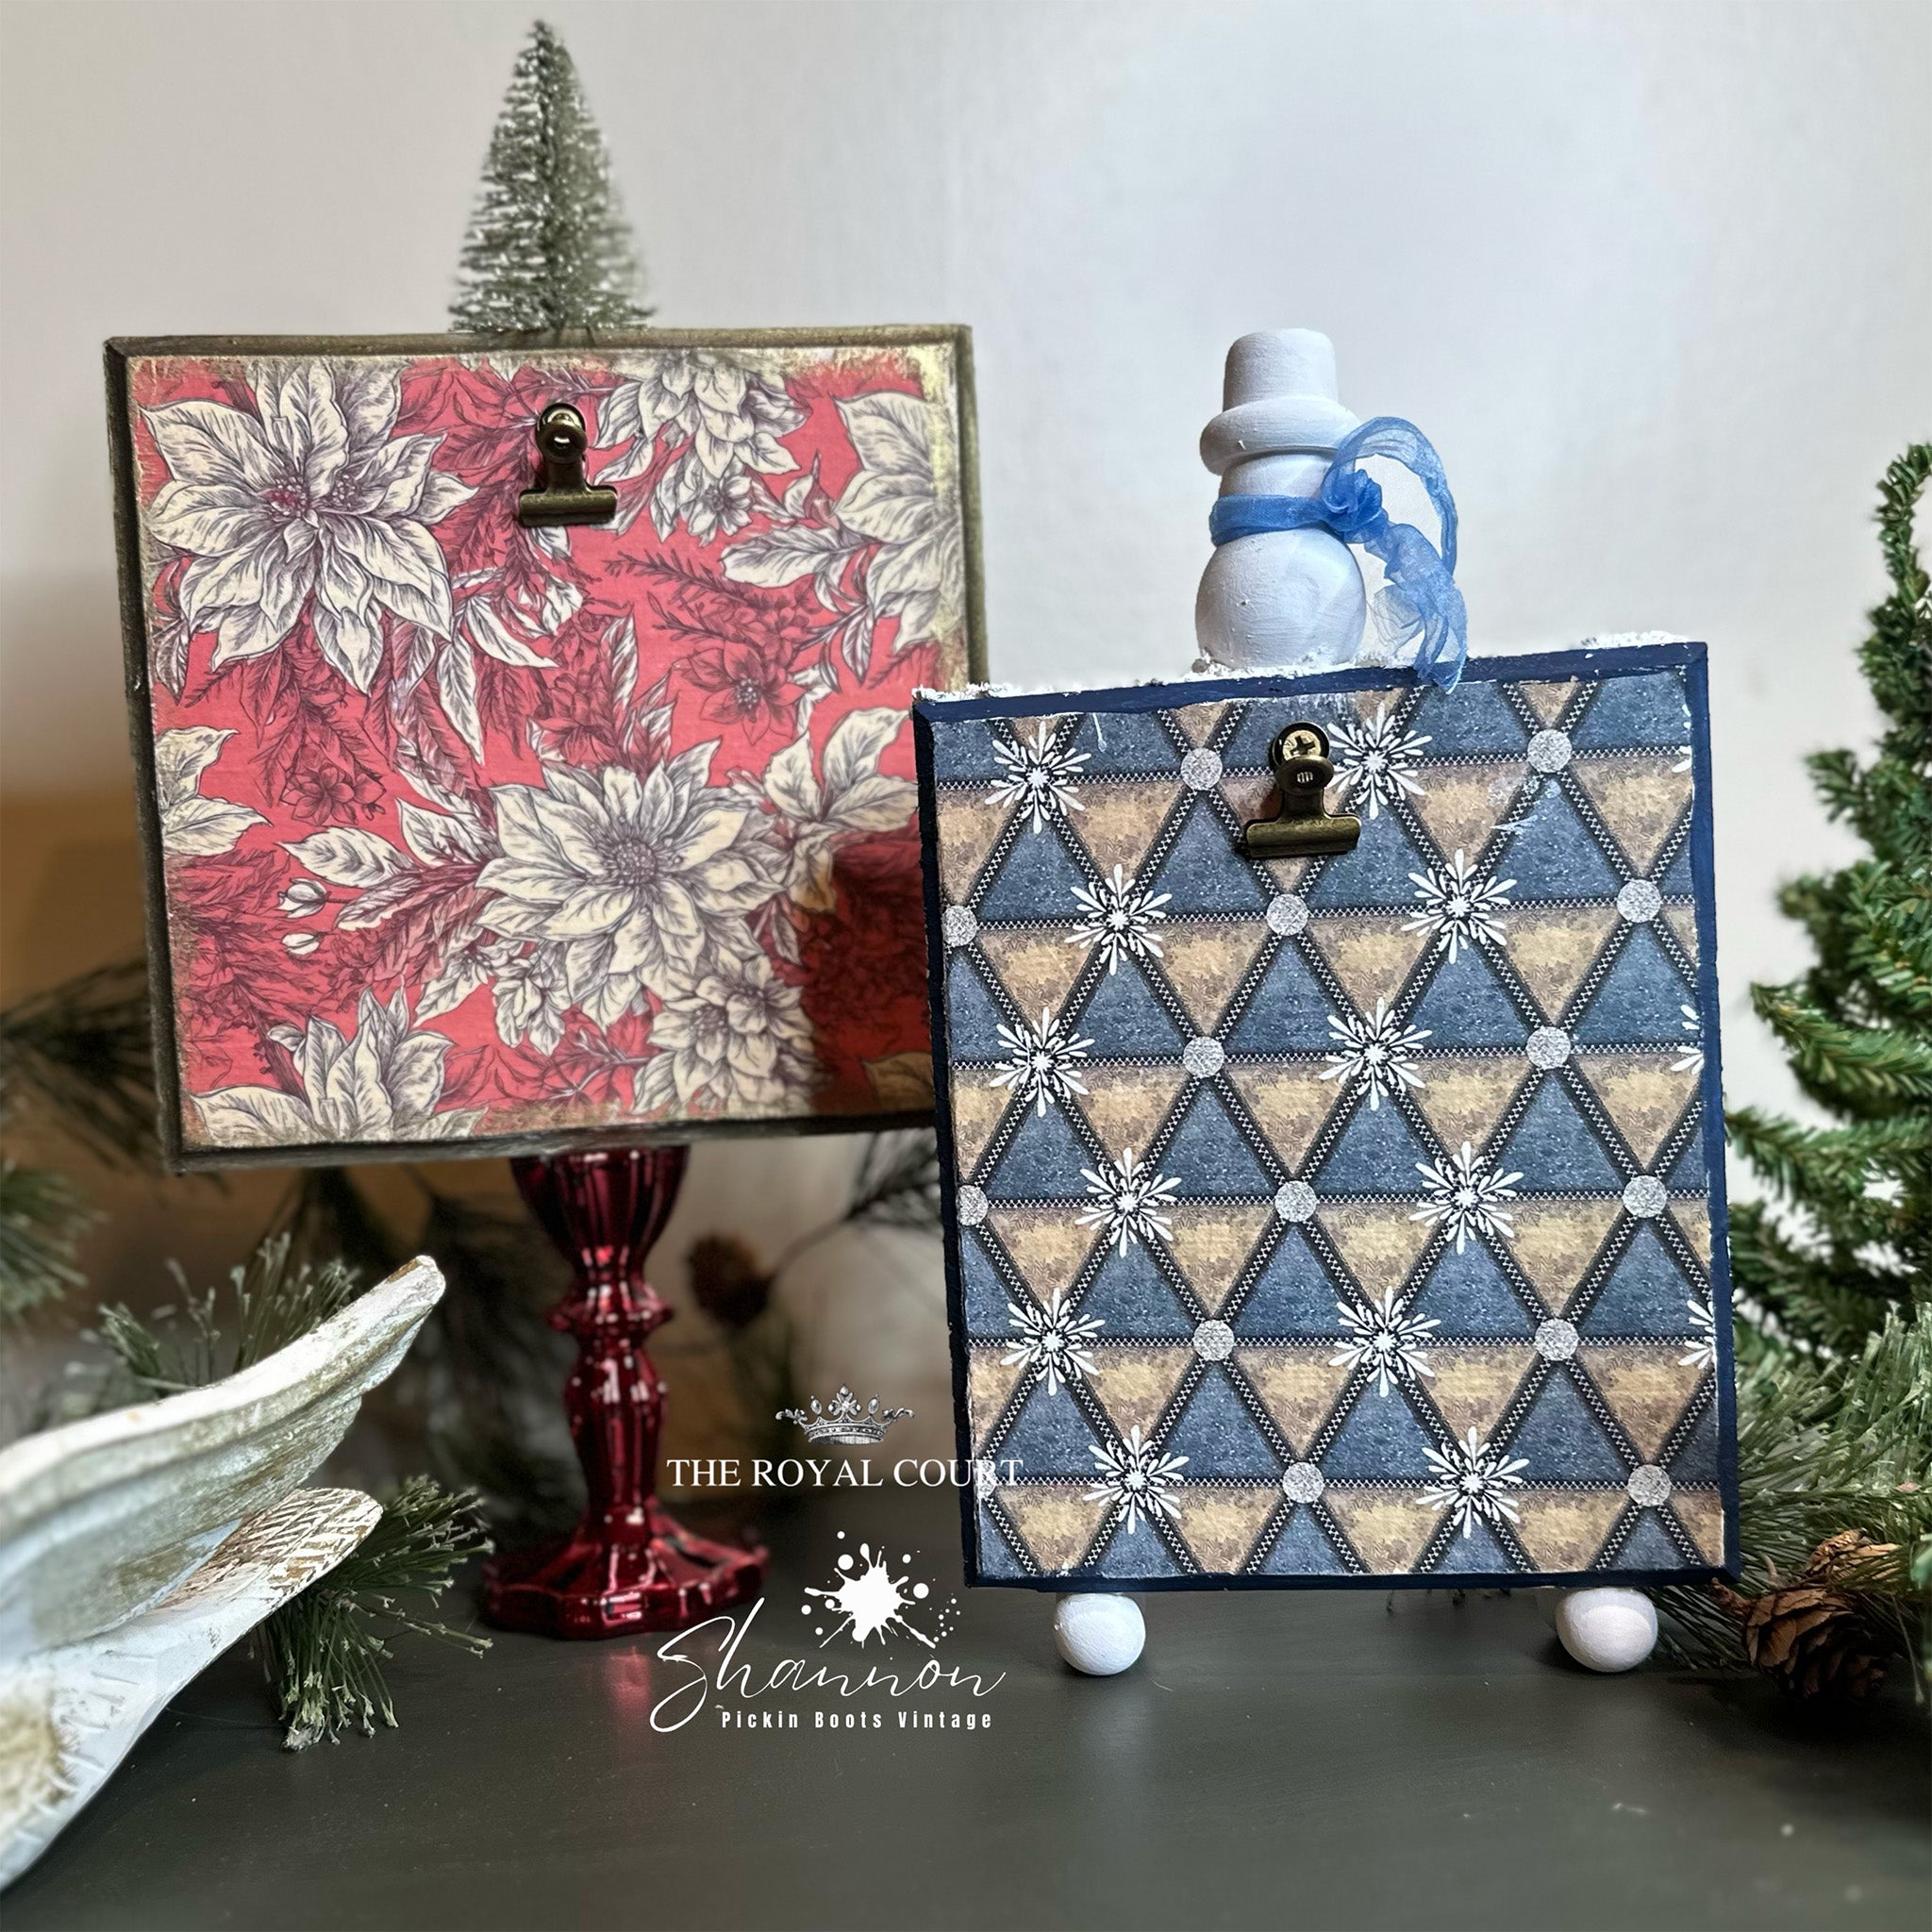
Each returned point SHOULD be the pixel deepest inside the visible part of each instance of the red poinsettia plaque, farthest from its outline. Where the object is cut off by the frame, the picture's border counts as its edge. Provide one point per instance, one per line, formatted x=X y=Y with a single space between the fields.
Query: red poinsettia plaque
x=467 y=832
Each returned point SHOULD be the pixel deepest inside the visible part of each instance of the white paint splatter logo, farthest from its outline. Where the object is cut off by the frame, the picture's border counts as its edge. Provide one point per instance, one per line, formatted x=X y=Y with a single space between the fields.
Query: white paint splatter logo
x=866 y=1600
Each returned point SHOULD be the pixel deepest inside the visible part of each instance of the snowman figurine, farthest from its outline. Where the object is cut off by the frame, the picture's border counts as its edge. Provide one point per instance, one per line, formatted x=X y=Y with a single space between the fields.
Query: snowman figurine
x=1282 y=599
x=1294 y=600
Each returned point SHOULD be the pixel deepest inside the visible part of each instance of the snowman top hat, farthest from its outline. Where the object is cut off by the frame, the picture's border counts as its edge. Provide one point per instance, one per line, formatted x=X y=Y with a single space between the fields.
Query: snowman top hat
x=1279 y=398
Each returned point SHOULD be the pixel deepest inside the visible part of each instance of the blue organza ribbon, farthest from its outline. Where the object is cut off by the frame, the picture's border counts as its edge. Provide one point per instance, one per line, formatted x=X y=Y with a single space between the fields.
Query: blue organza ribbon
x=1418 y=597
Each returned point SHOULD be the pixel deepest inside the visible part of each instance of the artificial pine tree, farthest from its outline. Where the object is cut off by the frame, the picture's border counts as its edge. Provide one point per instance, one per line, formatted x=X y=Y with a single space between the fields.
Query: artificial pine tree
x=548 y=248
x=76 y=1056
x=1834 y=1339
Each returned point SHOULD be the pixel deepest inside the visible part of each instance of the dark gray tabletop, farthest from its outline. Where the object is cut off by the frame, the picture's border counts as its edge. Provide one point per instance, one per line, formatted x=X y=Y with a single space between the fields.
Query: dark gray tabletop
x=1276 y=1759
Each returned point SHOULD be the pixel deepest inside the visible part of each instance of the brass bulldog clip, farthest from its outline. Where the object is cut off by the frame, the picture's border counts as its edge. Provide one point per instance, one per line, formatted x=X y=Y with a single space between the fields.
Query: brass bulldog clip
x=1303 y=826
x=564 y=496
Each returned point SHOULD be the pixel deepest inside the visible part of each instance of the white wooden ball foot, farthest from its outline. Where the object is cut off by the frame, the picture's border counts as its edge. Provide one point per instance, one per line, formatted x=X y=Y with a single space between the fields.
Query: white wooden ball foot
x=1102 y=1636
x=1606 y=1629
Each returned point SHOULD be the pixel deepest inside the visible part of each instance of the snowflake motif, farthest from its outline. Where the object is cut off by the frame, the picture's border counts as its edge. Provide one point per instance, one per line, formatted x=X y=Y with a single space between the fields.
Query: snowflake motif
x=1042 y=1062
x=1119 y=919
x=1460 y=906
x=1039 y=777
x=1052 y=1342
x=1374 y=761
x=1386 y=1339
x=1468 y=1195
x=1128 y=1200
x=1135 y=1479
x=1472 y=1478
x=1692 y=1061
x=1702 y=1340
x=1375 y=1053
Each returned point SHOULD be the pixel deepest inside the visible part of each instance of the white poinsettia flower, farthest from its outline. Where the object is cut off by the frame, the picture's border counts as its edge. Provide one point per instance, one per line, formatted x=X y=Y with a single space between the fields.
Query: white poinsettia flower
x=736 y=1038
x=382 y=1084
x=526 y=986
x=895 y=499
x=724 y=420
x=641 y=881
x=193 y=826
x=309 y=502
x=846 y=798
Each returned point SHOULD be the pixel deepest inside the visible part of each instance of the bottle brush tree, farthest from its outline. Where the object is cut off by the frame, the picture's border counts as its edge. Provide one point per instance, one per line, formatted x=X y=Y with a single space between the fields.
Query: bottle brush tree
x=548 y=247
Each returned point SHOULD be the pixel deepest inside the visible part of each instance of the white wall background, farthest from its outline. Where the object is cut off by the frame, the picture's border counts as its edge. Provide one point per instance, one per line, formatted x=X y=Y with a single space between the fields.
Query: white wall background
x=1656 y=279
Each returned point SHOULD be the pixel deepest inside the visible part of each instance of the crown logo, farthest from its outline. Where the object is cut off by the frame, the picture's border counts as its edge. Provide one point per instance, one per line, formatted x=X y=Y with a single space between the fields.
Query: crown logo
x=841 y=1420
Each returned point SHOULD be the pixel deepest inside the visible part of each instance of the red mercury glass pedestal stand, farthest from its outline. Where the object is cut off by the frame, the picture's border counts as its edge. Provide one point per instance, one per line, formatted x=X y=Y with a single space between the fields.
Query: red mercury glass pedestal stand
x=629 y=1565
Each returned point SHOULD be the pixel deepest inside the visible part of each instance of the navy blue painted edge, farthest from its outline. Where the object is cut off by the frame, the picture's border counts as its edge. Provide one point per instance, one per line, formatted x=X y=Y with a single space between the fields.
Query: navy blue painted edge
x=1610 y=660
x=942 y=1128
x=1704 y=904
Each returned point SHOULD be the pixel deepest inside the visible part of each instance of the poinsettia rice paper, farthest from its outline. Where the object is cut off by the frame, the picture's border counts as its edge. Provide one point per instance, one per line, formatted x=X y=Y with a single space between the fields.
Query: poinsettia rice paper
x=471 y=832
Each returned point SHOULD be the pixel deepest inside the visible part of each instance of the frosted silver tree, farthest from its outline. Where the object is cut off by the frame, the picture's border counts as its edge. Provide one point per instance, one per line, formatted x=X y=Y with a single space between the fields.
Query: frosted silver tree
x=548 y=246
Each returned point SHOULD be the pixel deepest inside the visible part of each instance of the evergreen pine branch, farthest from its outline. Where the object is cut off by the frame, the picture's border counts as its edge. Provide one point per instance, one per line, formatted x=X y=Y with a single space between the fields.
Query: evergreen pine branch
x=1824 y=1446
x=276 y=1300
x=1826 y=1301
x=1859 y=1069
x=1834 y=1345
x=324 y=1650
x=83 y=1053
x=42 y=1216
x=897 y=1184
x=1897 y=656
x=1818 y=905
x=148 y=1362
x=1890 y=946
x=1829 y=1171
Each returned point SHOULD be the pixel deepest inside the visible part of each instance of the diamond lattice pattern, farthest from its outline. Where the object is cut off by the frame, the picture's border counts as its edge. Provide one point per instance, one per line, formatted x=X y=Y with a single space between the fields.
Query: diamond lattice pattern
x=1340 y=1216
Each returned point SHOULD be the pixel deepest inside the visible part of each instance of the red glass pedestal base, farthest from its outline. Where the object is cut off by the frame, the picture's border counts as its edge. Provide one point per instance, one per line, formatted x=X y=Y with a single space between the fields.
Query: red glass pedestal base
x=629 y=1565
x=583 y=1588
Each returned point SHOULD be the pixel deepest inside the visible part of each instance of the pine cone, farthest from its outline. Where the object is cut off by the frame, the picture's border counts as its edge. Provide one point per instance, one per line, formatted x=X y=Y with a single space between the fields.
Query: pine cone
x=728 y=1281
x=1809 y=1637
x=1837 y=1558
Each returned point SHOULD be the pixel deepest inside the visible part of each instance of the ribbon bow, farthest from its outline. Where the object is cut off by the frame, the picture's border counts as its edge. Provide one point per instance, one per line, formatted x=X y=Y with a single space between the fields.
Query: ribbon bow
x=1420 y=597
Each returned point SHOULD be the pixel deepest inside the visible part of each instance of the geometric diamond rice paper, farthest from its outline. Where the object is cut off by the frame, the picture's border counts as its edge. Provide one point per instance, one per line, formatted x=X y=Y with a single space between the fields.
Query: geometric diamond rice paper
x=1359 y=1219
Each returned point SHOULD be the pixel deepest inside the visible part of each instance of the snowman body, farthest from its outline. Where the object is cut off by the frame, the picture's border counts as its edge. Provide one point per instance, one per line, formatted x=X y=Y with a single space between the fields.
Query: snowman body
x=1282 y=599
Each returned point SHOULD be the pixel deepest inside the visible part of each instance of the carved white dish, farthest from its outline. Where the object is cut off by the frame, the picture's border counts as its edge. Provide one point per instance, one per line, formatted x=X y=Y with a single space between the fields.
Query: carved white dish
x=108 y=1599
x=69 y=1716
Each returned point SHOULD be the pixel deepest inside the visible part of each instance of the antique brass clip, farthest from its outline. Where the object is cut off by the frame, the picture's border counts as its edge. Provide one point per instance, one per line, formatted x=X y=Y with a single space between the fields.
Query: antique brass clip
x=564 y=496
x=1302 y=827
